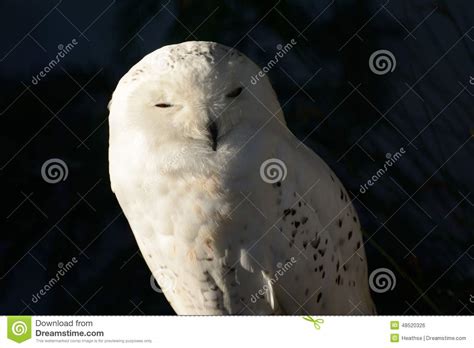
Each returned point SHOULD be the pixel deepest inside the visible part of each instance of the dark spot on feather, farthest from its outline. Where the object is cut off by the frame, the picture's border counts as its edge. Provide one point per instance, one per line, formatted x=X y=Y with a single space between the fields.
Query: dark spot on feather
x=315 y=243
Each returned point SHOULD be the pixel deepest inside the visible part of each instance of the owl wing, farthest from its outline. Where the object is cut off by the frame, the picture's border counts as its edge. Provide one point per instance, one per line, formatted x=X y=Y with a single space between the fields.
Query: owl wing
x=312 y=240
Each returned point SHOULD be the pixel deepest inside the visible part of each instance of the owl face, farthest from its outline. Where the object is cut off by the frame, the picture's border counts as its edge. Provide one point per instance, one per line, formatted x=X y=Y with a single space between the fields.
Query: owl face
x=198 y=93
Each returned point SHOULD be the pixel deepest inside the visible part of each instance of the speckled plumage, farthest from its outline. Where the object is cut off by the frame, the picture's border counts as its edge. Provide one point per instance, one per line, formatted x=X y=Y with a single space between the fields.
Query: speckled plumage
x=208 y=226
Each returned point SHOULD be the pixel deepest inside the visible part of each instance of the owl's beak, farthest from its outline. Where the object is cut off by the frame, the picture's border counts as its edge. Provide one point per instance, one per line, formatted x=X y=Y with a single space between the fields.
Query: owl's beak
x=213 y=134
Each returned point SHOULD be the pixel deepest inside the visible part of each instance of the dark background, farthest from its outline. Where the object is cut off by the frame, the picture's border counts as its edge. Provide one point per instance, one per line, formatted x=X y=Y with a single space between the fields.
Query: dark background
x=418 y=219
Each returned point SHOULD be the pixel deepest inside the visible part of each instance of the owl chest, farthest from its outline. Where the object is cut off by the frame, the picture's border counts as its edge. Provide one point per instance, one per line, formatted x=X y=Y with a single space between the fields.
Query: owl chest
x=189 y=232
x=174 y=212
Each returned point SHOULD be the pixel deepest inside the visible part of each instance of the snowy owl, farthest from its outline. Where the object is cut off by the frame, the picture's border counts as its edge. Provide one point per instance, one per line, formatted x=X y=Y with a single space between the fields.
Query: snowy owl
x=233 y=215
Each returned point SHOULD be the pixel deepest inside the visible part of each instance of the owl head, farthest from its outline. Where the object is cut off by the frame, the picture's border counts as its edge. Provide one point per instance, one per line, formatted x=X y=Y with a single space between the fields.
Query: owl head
x=195 y=93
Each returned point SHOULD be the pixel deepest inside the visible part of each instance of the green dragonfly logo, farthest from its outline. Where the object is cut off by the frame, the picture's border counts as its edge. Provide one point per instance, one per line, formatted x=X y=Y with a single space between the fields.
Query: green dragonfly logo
x=316 y=322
